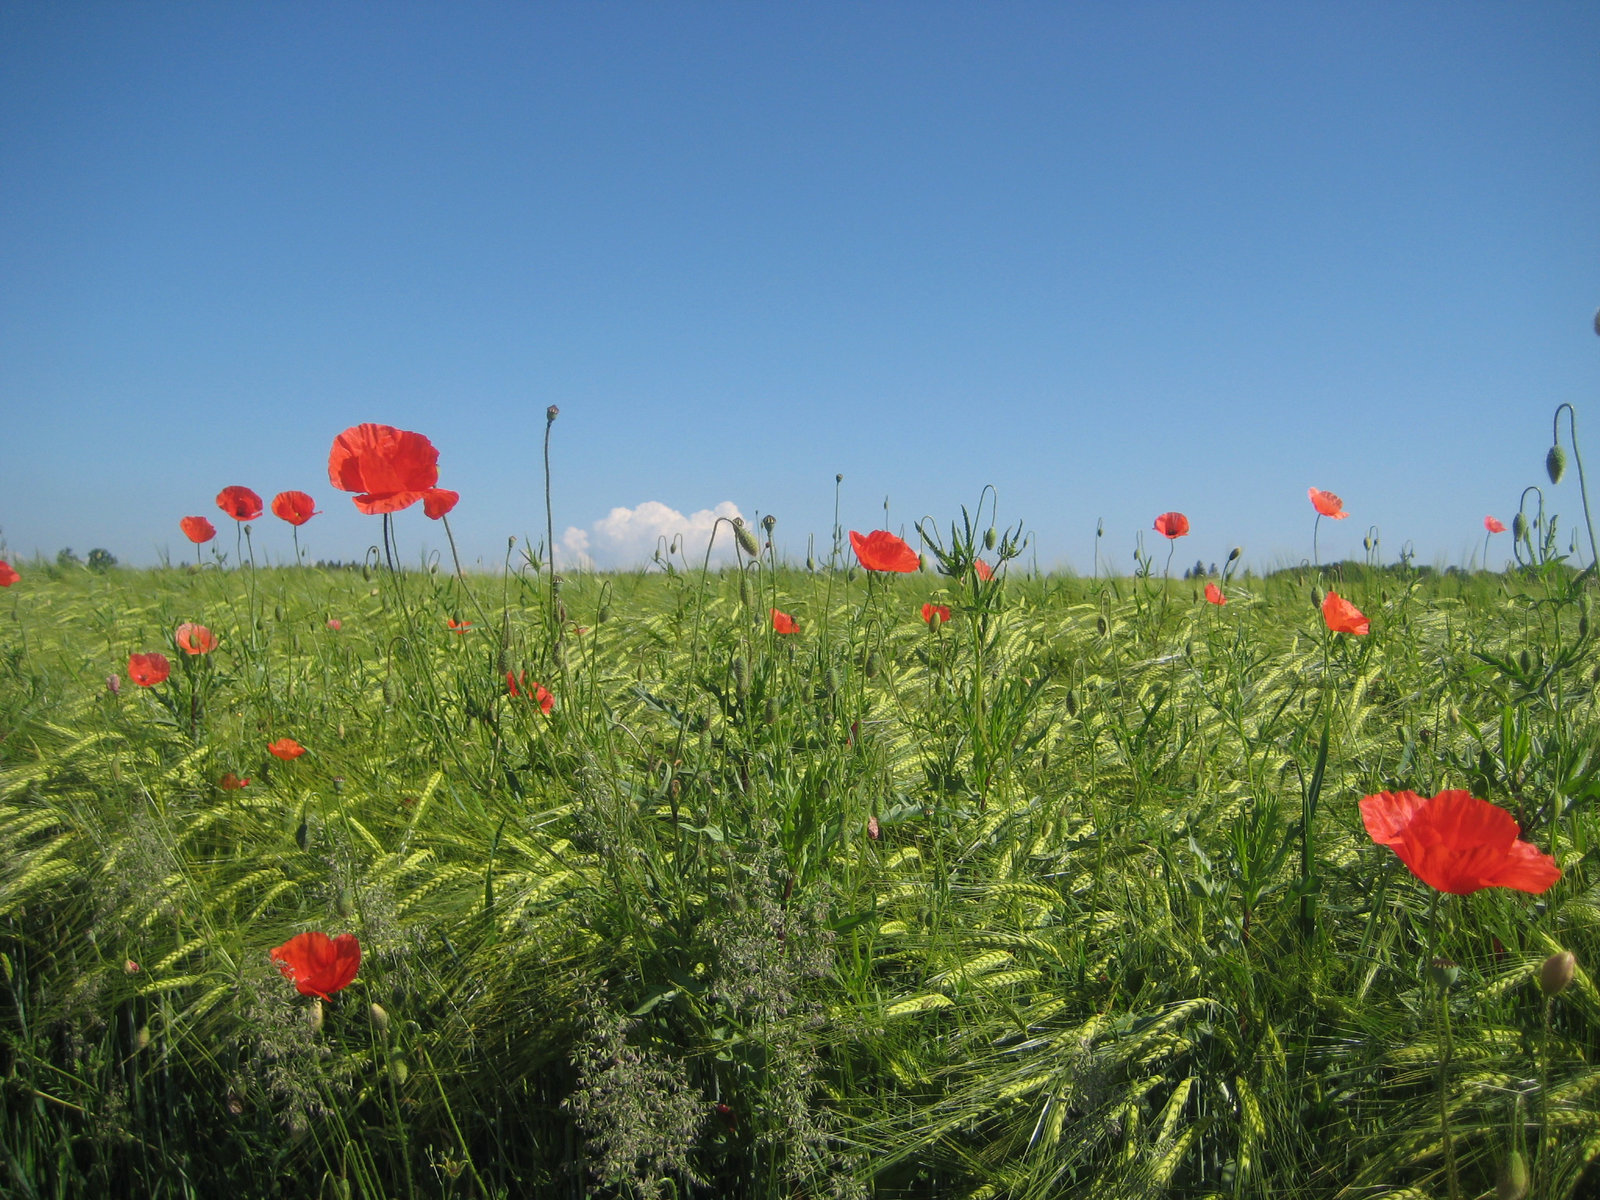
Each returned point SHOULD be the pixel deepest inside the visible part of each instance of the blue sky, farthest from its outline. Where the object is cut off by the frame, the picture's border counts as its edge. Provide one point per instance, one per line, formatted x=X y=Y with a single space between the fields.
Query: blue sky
x=1111 y=259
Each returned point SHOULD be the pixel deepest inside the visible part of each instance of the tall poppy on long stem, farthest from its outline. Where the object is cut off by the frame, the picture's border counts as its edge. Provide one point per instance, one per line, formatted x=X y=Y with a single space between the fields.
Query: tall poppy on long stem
x=1327 y=505
x=388 y=468
x=8 y=574
x=240 y=503
x=881 y=550
x=1493 y=525
x=1343 y=617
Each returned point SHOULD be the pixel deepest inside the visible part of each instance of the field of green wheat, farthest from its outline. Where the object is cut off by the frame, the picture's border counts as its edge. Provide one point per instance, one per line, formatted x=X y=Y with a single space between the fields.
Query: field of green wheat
x=774 y=882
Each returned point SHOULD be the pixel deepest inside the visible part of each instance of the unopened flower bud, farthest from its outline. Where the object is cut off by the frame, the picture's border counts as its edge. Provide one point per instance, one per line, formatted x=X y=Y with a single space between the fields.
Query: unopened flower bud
x=1100 y=625
x=347 y=903
x=741 y=675
x=769 y=522
x=1519 y=527
x=1555 y=973
x=1316 y=597
x=1555 y=463
x=551 y=413
x=811 y=562
x=988 y=538
x=746 y=539
x=874 y=664
x=142 y=1038
x=314 y=1016
x=1235 y=552
x=1513 y=1181
x=380 y=1018
x=770 y=710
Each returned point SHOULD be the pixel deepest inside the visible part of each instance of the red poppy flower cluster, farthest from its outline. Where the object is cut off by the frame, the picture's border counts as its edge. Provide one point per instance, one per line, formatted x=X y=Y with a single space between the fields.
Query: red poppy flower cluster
x=880 y=550
x=1457 y=843
x=195 y=639
x=286 y=749
x=389 y=469
x=319 y=965
x=517 y=683
x=782 y=622
x=147 y=670
x=8 y=574
x=1172 y=525
x=1343 y=617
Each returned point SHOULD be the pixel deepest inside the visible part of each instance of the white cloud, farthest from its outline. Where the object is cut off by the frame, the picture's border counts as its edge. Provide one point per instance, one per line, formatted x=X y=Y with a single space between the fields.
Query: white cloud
x=628 y=537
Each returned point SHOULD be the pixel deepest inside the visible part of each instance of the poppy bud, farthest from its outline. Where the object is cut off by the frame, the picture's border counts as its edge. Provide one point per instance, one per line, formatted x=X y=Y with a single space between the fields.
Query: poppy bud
x=874 y=665
x=1072 y=703
x=604 y=615
x=380 y=1018
x=551 y=413
x=830 y=681
x=347 y=903
x=1316 y=597
x=338 y=785
x=988 y=538
x=768 y=522
x=839 y=478
x=398 y=1070
x=1525 y=661
x=746 y=539
x=302 y=835
x=314 y=1016
x=142 y=1038
x=922 y=562
x=741 y=675
x=1555 y=463
x=1519 y=527
x=1100 y=624
x=1555 y=973
x=1235 y=552
x=811 y=563
x=770 y=710
x=744 y=589
x=1513 y=1181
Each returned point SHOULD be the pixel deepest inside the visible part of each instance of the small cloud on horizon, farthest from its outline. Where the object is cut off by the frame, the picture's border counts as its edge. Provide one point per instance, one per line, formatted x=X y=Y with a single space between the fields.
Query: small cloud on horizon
x=629 y=537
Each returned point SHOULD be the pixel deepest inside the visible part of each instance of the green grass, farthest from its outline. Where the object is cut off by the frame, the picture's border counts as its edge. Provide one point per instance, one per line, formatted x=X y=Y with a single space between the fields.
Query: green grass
x=1120 y=933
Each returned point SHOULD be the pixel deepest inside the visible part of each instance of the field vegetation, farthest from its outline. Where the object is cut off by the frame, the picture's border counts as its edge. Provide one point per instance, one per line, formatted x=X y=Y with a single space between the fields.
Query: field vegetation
x=1066 y=893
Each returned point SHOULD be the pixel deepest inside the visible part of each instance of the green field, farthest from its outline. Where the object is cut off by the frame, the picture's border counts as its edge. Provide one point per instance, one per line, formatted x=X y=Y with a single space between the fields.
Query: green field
x=1069 y=896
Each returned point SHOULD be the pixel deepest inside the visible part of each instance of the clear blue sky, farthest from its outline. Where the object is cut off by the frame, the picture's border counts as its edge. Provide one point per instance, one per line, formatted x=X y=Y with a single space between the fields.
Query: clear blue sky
x=1113 y=259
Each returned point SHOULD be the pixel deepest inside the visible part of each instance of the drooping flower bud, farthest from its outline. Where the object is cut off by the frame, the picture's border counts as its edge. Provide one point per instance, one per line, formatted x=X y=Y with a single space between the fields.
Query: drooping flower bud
x=1235 y=552
x=746 y=539
x=314 y=1016
x=380 y=1018
x=1519 y=527
x=989 y=538
x=1555 y=463
x=1555 y=973
x=1513 y=1181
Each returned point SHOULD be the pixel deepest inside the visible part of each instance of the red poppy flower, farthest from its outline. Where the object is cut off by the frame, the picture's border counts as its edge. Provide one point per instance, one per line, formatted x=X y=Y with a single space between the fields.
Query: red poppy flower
x=518 y=684
x=1214 y=594
x=319 y=965
x=782 y=622
x=880 y=550
x=232 y=783
x=935 y=614
x=1327 y=504
x=1457 y=843
x=195 y=639
x=1493 y=525
x=147 y=670
x=1342 y=616
x=983 y=570
x=197 y=529
x=391 y=468
x=335 y=624
x=1172 y=525
x=438 y=501
x=286 y=748
x=455 y=626
x=294 y=507
x=8 y=574
x=240 y=503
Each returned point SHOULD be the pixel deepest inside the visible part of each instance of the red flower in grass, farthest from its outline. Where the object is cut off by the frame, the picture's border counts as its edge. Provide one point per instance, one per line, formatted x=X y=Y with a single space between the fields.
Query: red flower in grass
x=319 y=965
x=8 y=574
x=147 y=670
x=197 y=529
x=880 y=550
x=1327 y=504
x=232 y=783
x=782 y=622
x=390 y=468
x=1172 y=525
x=240 y=503
x=1494 y=525
x=1457 y=843
x=286 y=748
x=195 y=639
x=1214 y=594
x=294 y=507
x=935 y=614
x=1342 y=616
x=518 y=684
x=455 y=626
x=438 y=501
x=983 y=570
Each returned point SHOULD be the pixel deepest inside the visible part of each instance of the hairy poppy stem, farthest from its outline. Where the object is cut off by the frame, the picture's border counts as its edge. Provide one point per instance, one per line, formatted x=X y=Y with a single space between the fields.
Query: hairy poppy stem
x=550 y=415
x=1577 y=457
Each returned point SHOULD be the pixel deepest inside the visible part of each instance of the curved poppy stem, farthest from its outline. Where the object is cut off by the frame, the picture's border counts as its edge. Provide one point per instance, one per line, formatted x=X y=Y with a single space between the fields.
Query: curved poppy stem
x=1316 y=560
x=550 y=415
x=1577 y=457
